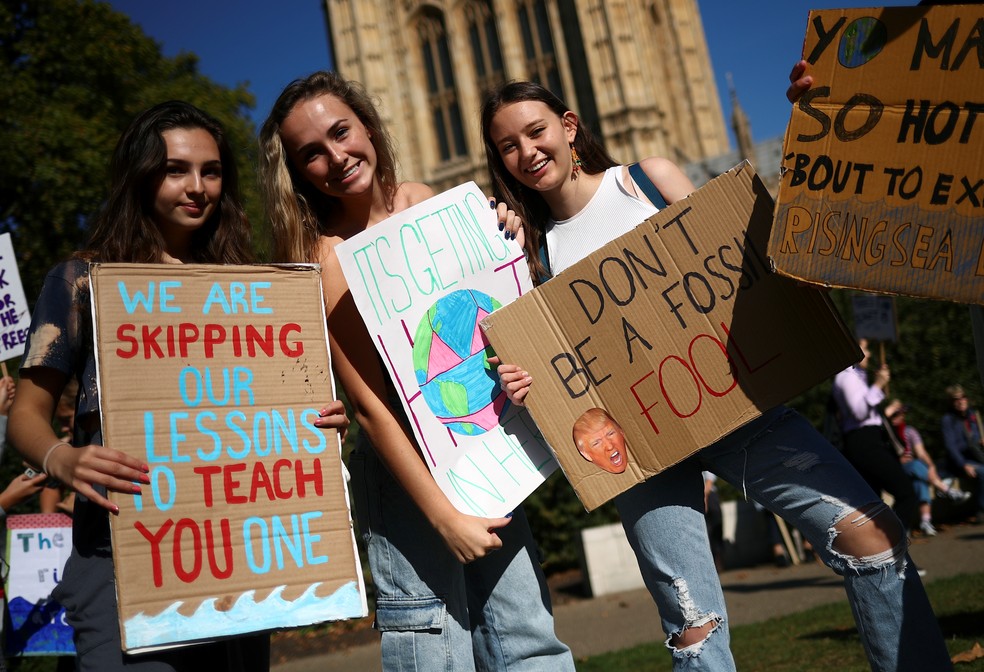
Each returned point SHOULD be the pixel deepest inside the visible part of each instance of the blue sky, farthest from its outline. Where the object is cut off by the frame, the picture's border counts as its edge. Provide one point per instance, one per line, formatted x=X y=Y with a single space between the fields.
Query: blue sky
x=268 y=44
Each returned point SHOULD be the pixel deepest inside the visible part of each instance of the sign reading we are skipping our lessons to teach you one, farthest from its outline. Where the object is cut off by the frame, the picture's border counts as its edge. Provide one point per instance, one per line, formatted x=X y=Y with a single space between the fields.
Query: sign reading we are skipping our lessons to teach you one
x=883 y=170
x=422 y=281
x=214 y=376
x=667 y=339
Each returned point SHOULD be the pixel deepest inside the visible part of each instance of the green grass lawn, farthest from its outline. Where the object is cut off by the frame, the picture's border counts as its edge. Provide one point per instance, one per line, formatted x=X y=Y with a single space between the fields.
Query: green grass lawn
x=823 y=638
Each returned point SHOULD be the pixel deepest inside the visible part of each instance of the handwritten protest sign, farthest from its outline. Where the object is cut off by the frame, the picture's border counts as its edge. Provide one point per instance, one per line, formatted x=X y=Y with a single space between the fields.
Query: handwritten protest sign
x=422 y=280
x=15 y=318
x=214 y=375
x=38 y=545
x=882 y=182
x=874 y=317
x=668 y=338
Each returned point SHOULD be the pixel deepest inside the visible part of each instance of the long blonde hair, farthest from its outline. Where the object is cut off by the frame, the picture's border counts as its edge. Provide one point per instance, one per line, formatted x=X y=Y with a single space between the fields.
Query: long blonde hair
x=298 y=212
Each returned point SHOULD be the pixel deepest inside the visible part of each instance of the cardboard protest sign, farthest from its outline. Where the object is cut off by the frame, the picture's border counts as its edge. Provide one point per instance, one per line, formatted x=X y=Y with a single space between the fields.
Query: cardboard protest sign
x=38 y=545
x=676 y=332
x=214 y=375
x=15 y=318
x=882 y=183
x=422 y=280
x=874 y=317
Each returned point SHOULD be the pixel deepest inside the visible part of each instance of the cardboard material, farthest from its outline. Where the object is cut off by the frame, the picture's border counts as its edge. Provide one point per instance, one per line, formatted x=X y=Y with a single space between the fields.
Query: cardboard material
x=422 y=280
x=677 y=329
x=38 y=546
x=882 y=186
x=214 y=375
x=15 y=318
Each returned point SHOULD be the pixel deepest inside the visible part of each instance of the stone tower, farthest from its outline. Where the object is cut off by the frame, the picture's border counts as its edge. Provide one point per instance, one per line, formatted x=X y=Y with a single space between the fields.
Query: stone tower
x=636 y=71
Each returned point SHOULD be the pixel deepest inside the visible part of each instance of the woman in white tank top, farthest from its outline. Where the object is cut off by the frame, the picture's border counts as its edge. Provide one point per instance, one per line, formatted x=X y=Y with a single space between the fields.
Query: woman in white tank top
x=567 y=189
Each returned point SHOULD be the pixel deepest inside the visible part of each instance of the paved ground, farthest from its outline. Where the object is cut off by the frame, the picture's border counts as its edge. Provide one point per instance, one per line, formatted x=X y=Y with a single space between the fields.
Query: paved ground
x=612 y=622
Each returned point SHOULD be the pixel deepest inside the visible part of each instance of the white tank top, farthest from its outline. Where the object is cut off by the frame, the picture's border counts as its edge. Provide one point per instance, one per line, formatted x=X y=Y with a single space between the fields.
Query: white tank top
x=611 y=212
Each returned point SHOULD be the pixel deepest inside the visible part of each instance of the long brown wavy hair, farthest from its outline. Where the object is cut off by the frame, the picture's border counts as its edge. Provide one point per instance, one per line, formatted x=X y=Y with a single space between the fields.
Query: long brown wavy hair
x=125 y=231
x=298 y=212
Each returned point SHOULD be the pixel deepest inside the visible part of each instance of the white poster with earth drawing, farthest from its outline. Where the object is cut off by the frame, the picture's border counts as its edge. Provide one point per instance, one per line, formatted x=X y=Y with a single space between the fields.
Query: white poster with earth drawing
x=422 y=281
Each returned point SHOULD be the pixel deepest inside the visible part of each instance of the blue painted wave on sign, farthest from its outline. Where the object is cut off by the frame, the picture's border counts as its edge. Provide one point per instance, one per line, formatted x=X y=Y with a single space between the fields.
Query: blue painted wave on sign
x=246 y=615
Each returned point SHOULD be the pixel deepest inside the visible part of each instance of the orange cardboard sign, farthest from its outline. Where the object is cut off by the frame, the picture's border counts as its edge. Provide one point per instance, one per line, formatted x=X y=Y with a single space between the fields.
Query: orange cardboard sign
x=882 y=183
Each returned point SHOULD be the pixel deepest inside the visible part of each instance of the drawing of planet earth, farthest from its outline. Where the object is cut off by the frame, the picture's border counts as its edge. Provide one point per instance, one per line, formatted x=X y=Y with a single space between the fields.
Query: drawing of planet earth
x=451 y=363
x=862 y=40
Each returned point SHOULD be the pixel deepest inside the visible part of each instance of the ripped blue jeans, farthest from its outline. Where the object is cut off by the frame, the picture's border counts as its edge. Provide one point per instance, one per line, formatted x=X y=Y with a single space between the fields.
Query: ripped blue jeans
x=782 y=462
x=436 y=614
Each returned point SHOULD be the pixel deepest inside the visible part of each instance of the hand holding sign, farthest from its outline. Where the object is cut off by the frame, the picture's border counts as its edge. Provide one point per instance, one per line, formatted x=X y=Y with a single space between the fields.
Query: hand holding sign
x=83 y=468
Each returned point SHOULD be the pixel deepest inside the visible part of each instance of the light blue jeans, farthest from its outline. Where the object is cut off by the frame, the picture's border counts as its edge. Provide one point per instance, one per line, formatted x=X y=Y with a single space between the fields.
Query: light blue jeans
x=919 y=473
x=783 y=463
x=436 y=614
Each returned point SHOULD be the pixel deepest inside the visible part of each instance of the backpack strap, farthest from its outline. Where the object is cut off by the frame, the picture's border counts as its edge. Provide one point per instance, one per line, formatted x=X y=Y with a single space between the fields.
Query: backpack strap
x=639 y=176
x=544 y=259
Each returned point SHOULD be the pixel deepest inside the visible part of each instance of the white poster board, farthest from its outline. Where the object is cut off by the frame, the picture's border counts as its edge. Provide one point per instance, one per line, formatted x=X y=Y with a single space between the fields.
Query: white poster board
x=38 y=546
x=422 y=281
x=15 y=318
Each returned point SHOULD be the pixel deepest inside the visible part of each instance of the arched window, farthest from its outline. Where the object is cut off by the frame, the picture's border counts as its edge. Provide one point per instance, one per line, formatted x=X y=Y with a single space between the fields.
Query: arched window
x=484 y=41
x=442 y=96
x=538 y=45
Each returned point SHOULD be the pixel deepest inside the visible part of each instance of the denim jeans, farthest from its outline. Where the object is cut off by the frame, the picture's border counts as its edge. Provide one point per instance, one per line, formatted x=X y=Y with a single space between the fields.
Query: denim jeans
x=919 y=473
x=780 y=461
x=435 y=613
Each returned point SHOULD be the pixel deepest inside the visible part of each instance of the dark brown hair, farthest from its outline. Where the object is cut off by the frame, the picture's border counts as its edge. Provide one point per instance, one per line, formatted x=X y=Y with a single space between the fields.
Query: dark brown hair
x=528 y=203
x=124 y=230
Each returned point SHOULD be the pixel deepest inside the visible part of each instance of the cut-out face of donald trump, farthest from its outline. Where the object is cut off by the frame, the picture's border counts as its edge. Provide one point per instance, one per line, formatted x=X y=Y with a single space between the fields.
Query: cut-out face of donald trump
x=601 y=441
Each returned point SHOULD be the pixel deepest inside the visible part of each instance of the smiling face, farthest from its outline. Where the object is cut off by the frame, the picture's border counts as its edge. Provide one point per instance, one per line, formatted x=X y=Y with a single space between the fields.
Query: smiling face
x=601 y=441
x=192 y=184
x=534 y=143
x=329 y=146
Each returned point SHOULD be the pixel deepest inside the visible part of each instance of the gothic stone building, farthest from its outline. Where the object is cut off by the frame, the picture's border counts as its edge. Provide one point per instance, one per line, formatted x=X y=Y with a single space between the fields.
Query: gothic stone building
x=637 y=71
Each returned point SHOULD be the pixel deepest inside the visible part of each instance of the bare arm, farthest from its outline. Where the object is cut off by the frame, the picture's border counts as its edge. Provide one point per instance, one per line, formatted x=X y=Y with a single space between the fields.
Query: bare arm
x=21 y=488
x=672 y=182
x=357 y=366
x=80 y=468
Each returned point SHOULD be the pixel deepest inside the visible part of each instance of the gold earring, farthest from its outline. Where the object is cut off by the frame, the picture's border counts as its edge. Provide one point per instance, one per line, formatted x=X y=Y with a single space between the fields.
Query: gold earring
x=576 y=163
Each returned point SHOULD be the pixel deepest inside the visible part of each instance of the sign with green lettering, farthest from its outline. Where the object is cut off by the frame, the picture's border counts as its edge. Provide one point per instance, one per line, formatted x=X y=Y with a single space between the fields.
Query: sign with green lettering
x=423 y=280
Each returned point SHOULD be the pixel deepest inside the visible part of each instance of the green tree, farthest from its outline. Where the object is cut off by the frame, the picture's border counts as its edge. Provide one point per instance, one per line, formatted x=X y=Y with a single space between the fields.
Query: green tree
x=73 y=74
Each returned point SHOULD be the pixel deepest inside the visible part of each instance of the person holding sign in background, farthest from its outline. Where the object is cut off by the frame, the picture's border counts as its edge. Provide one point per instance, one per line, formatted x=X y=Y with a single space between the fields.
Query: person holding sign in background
x=867 y=444
x=571 y=195
x=173 y=199
x=452 y=589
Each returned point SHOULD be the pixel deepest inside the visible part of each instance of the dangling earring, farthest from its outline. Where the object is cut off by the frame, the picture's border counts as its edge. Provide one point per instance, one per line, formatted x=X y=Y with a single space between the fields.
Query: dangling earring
x=576 y=163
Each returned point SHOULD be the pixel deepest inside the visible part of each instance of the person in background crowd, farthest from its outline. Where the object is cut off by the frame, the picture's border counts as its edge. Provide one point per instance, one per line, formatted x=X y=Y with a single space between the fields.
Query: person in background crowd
x=867 y=445
x=918 y=465
x=963 y=438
